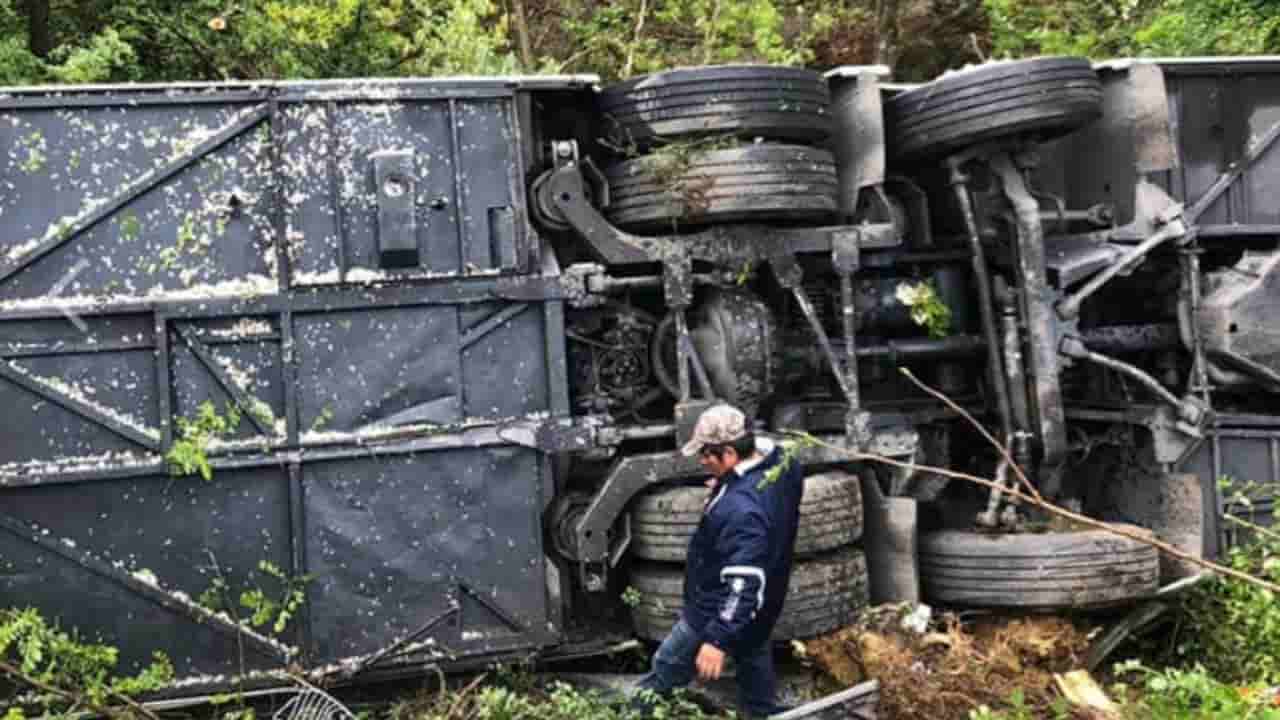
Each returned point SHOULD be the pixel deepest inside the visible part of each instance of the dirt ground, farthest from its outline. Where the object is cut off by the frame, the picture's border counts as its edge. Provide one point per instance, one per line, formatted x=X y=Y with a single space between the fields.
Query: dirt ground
x=952 y=667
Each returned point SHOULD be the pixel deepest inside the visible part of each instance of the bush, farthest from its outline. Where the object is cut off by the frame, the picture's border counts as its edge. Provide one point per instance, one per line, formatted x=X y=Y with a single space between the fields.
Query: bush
x=1173 y=694
x=516 y=696
x=1228 y=628
x=52 y=673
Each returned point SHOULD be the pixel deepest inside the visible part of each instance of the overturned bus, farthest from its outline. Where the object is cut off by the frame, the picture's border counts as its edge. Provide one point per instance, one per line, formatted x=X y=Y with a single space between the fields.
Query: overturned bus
x=415 y=358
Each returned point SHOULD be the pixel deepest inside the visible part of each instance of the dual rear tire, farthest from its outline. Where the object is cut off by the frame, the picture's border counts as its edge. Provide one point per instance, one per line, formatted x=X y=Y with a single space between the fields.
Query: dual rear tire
x=828 y=579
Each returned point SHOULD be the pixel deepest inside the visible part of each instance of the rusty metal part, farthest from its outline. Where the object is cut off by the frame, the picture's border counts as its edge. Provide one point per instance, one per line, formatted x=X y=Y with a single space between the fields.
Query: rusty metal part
x=982 y=280
x=736 y=339
x=1041 y=325
x=731 y=246
x=890 y=537
x=662 y=348
x=858 y=137
x=1015 y=369
x=915 y=203
x=562 y=522
x=990 y=517
x=1189 y=303
x=1171 y=228
x=1191 y=414
x=789 y=276
x=1236 y=320
x=845 y=260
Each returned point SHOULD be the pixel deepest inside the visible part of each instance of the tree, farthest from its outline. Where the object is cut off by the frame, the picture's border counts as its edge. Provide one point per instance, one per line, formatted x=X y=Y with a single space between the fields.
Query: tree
x=1211 y=27
x=38 y=39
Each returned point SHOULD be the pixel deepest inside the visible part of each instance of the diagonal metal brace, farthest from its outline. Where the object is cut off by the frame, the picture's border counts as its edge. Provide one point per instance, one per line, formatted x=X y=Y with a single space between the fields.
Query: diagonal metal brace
x=9 y=371
x=140 y=185
x=507 y=619
x=389 y=651
x=174 y=602
x=789 y=275
x=1233 y=173
x=238 y=395
x=1173 y=228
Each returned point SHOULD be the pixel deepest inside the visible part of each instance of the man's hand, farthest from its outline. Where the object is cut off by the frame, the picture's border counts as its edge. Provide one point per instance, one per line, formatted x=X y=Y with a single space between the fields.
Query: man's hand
x=710 y=662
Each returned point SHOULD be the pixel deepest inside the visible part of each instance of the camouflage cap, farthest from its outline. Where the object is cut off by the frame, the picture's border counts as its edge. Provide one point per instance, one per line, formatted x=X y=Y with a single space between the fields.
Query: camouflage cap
x=717 y=425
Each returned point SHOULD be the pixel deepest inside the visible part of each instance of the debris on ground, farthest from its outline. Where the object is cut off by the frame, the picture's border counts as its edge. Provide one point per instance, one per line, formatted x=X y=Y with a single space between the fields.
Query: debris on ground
x=951 y=667
x=1081 y=690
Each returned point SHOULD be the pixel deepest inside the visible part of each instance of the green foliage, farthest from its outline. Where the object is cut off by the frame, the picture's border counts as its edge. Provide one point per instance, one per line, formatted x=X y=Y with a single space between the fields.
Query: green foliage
x=322 y=419
x=18 y=66
x=1229 y=628
x=1092 y=28
x=795 y=442
x=104 y=57
x=517 y=698
x=270 y=604
x=130 y=227
x=640 y=36
x=189 y=453
x=160 y=40
x=671 y=165
x=1211 y=27
x=471 y=39
x=631 y=597
x=1103 y=28
x=1174 y=694
x=1019 y=709
x=275 y=609
x=927 y=309
x=33 y=147
x=35 y=653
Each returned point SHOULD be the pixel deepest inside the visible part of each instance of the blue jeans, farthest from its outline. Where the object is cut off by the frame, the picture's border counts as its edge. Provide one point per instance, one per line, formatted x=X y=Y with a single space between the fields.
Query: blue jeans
x=673 y=667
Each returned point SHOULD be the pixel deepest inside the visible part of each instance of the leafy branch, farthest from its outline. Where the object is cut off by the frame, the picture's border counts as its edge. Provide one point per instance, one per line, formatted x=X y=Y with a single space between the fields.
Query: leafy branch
x=927 y=309
x=72 y=674
x=190 y=453
x=280 y=609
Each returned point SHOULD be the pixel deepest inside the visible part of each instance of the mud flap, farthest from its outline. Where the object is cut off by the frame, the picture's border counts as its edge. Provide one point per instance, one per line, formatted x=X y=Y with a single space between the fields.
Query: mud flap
x=1180 y=521
x=889 y=539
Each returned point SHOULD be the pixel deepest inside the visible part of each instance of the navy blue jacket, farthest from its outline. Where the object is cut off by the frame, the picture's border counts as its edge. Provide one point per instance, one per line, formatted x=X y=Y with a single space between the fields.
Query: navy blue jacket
x=739 y=562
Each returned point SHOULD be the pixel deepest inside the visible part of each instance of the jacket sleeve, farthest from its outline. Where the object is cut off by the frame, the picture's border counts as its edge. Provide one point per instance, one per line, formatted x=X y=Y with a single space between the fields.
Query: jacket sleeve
x=744 y=540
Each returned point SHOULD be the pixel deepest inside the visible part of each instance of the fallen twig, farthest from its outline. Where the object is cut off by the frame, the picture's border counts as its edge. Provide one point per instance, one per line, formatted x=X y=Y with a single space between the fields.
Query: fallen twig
x=79 y=700
x=1252 y=526
x=462 y=694
x=1035 y=499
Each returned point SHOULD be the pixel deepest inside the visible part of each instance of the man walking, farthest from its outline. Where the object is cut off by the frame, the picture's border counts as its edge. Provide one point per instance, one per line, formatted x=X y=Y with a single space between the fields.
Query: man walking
x=739 y=563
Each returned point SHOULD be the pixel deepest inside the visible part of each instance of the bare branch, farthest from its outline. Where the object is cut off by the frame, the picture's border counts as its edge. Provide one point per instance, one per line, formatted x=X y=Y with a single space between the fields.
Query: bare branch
x=635 y=38
x=1004 y=451
x=977 y=49
x=1252 y=526
x=203 y=52
x=17 y=673
x=522 y=34
x=1052 y=509
x=462 y=694
x=710 y=33
x=134 y=706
